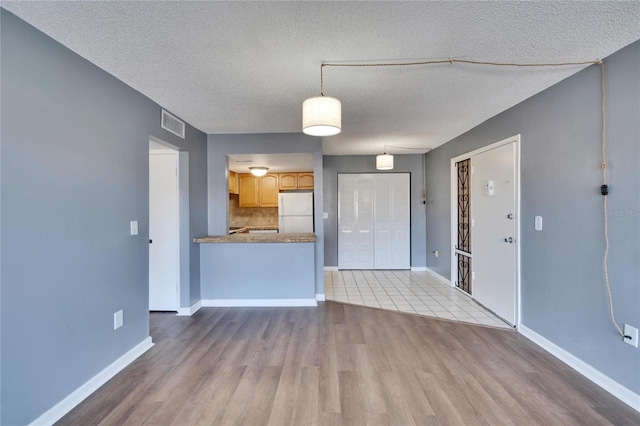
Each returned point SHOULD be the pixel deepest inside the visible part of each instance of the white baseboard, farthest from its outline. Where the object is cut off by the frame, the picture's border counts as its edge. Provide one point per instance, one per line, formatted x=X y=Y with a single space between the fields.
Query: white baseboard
x=439 y=277
x=320 y=297
x=605 y=382
x=418 y=268
x=56 y=412
x=331 y=268
x=237 y=303
x=187 y=312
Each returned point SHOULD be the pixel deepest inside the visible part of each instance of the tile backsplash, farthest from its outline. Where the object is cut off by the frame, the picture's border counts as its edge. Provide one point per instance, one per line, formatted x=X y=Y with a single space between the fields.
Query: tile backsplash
x=250 y=216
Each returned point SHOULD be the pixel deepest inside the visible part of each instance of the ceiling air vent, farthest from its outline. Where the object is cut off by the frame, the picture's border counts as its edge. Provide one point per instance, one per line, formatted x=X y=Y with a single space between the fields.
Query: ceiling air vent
x=172 y=124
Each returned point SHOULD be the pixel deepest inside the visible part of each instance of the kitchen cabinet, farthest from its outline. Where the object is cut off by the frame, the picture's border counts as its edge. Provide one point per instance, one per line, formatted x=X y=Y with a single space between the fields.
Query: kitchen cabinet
x=258 y=191
x=233 y=182
x=248 y=190
x=288 y=181
x=268 y=190
x=296 y=180
x=305 y=180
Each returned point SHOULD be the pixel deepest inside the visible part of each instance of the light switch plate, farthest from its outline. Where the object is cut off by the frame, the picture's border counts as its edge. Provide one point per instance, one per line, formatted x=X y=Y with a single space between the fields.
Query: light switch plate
x=325 y=215
x=134 y=227
x=118 y=319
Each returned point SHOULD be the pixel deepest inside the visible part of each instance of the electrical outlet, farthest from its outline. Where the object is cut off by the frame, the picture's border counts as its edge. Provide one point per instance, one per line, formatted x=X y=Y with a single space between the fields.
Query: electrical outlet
x=633 y=332
x=134 y=227
x=118 y=319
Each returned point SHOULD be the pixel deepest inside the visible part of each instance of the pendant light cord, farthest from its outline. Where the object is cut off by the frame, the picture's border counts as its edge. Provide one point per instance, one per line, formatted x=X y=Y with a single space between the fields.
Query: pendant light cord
x=603 y=164
x=443 y=61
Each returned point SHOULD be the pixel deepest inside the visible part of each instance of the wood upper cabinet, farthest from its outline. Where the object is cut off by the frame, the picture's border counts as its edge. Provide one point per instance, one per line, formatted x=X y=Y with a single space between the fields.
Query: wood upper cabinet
x=258 y=191
x=293 y=180
x=288 y=181
x=233 y=182
x=268 y=190
x=248 y=189
x=305 y=180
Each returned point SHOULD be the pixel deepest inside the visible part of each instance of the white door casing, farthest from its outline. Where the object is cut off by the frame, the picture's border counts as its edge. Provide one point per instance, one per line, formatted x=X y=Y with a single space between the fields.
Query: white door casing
x=163 y=232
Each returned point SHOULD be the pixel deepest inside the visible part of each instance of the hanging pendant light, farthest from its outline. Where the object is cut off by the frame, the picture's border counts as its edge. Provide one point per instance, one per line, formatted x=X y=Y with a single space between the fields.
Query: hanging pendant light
x=384 y=161
x=321 y=116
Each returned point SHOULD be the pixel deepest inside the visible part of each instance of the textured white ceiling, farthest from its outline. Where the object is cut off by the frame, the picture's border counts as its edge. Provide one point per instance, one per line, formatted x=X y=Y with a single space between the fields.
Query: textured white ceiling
x=246 y=67
x=276 y=162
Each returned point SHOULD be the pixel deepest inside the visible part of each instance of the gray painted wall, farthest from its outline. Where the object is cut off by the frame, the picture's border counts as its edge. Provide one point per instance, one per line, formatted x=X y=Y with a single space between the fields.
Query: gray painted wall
x=563 y=293
x=74 y=164
x=220 y=146
x=367 y=164
x=255 y=271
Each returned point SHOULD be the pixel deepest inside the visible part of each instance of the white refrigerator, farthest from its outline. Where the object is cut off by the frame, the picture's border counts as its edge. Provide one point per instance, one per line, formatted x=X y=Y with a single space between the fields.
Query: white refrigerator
x=295 y=212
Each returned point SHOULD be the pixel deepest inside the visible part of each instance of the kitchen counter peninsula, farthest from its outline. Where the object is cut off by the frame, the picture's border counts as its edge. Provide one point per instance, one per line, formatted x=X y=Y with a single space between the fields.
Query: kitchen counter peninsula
x=258 y=269
x=259 y=238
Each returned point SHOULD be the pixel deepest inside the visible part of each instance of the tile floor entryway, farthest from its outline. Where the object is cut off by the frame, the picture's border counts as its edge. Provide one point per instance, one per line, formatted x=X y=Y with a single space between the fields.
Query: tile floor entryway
x=405 y=291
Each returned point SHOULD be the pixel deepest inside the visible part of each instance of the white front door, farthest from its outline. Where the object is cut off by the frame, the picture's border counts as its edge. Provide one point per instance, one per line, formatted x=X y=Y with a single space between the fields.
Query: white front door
x=494 y=230
x=163 y=232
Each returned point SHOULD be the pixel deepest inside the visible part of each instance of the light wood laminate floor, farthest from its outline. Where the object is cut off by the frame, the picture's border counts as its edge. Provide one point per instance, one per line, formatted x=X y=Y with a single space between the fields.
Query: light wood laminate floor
x=340 y=364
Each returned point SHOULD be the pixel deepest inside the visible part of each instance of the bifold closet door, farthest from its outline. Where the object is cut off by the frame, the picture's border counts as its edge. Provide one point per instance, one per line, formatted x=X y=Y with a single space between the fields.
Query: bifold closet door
x=355 y=221
x=373 y=221
x=392 y=244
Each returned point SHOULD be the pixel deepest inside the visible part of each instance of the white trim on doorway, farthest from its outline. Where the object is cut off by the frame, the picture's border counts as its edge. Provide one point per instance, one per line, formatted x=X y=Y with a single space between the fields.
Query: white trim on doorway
x=454 y=208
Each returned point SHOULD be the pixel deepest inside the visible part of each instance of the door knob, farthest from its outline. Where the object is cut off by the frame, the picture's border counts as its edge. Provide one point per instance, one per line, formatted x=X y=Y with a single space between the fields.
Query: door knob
x=150 y=241
x=508 y=240
x=510 y=216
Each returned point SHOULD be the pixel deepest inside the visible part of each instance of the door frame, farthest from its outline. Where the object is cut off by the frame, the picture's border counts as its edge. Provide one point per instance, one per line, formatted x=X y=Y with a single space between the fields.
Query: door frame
x=454 y=214
x=183 y=260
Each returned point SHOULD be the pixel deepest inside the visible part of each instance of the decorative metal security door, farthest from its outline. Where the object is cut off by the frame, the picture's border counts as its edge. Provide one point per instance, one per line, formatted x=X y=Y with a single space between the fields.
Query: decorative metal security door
x=463 y=246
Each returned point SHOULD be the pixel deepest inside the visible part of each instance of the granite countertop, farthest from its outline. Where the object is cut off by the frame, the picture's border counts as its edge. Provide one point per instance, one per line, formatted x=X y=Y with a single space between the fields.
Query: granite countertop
x=245 y=229
x=259 y=238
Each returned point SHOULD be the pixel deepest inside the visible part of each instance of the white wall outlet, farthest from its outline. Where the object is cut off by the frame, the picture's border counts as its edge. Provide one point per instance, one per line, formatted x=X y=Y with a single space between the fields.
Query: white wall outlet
x=436 y=253
x=538 y=223
x=633 y=332
x=134 y=227
x=118 y=319
x=325 y=215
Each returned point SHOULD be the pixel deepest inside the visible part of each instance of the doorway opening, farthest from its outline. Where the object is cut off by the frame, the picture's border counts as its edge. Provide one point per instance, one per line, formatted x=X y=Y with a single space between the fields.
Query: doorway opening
x=485 y=227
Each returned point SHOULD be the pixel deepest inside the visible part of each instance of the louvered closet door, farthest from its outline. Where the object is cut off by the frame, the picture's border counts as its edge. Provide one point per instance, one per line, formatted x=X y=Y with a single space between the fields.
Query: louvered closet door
x=373 y=221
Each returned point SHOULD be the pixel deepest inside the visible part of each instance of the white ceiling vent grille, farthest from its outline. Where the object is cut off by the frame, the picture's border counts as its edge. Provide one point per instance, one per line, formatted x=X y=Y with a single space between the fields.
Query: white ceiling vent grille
x=172 y=124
